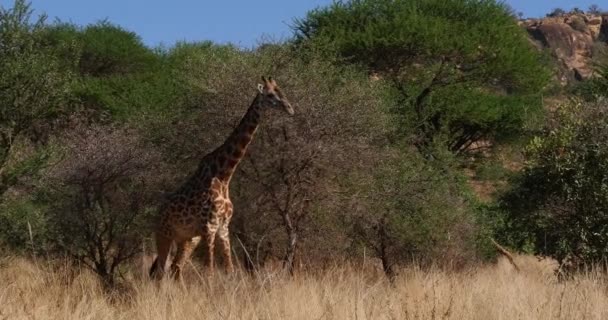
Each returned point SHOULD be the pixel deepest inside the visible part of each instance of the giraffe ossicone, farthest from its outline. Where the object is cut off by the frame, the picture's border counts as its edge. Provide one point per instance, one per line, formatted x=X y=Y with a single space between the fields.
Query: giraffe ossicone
x=201 y=208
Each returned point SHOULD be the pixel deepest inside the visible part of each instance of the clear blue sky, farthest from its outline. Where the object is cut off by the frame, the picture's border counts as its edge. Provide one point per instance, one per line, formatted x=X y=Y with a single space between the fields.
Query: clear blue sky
x=242 y=22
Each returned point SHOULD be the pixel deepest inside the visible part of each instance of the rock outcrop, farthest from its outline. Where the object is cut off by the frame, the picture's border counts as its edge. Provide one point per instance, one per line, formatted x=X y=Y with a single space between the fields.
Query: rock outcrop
x=572 y=39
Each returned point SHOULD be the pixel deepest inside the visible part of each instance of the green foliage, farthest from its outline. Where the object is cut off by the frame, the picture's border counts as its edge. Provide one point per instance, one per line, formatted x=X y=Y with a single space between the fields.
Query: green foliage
x=491 y=171
x=464 y=69
x=559 y=203
x=19 y=217
x=34 y=88
x=121 y=76
x=421 y=212
x=383 y=34
x=596 y=87
x=108 y=49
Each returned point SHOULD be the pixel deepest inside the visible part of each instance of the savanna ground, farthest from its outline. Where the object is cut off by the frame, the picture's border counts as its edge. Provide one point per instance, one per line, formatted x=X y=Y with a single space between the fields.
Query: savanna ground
x=34 y=289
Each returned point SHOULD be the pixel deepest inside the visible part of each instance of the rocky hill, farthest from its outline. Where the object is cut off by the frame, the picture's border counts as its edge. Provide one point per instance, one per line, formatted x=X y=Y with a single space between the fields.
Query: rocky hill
x=574 y=39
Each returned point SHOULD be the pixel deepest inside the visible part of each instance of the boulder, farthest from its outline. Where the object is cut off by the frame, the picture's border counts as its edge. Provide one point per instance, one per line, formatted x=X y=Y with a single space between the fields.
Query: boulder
x=570 y=39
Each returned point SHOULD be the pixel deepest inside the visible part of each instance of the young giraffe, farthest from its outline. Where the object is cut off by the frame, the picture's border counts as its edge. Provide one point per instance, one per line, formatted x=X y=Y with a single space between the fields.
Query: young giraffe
x=202 y=207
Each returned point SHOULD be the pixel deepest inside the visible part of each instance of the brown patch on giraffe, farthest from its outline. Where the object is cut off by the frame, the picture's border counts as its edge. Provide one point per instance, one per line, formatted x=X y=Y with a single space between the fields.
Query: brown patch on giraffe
x=232 y=162
x=244 y=141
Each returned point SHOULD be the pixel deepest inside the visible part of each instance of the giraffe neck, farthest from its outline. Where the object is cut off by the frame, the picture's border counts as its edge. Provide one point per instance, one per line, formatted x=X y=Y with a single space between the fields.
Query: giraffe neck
x=230 y=154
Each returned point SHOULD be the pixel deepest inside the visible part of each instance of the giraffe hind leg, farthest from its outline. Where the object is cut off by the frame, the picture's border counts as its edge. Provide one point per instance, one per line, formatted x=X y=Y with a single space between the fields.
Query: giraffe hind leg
x=163 y=246
x=184 y=250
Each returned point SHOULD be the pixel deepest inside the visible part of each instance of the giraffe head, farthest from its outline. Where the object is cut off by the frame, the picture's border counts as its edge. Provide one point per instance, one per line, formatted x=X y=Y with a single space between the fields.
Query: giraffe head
x=272 y=97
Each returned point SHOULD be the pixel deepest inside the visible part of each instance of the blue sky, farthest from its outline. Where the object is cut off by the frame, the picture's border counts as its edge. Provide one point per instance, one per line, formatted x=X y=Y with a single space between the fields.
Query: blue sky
x=242 y=22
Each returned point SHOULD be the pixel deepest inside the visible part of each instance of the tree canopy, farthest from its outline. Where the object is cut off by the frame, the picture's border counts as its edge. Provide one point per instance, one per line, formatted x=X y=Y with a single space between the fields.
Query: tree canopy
x=459 y=66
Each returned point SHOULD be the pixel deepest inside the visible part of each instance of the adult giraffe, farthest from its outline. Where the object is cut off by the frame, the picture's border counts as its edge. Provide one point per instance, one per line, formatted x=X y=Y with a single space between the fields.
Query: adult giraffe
x=201 y=208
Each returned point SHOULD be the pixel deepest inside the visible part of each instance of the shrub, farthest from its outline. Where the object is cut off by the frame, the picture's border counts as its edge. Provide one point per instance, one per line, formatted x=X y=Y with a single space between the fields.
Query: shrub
x=108 y=49
x=22 y=226
x=577 y=11
x=596 y=87
x=594 y=9
x=100 y=197
x=559 y=203
x=557 y=12
x=418 y=212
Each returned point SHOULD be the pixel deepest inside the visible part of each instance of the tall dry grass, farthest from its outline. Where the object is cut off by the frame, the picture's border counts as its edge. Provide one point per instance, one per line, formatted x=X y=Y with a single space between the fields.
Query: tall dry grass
x=36 y=290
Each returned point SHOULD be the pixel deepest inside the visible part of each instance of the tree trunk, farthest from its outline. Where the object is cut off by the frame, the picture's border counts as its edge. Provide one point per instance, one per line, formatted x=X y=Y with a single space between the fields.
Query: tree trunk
x=292 y=235
x=387 y=267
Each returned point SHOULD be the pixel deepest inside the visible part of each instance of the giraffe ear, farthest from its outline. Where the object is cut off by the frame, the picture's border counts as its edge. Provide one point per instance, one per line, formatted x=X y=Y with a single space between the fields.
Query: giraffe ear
x=260 y=87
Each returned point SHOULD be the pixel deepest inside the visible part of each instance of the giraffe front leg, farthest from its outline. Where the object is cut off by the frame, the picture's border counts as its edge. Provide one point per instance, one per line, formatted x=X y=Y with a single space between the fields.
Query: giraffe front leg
x=224 y=235
x=184 y=250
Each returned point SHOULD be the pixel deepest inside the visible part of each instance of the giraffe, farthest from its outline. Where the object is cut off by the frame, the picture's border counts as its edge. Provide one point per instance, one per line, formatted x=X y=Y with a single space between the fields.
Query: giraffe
x=201 y=208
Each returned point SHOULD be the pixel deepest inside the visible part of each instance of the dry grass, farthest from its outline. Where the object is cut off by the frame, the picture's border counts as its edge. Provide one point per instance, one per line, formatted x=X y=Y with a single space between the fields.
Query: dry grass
x=36 y=291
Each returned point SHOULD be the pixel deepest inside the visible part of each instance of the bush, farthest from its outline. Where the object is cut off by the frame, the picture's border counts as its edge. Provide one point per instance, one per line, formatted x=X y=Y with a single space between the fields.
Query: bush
x=594 y=9
x=557 y=12
x=419 y=212
x=23 y=226
x=559 y=203
x=596 y=87
x=120 y=78
x=100 y=197
x=108 y=49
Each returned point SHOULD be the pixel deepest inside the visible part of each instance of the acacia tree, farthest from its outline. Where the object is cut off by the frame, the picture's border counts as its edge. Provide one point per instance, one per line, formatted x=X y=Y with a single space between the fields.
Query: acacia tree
x=594 y=9
x=463 y=69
